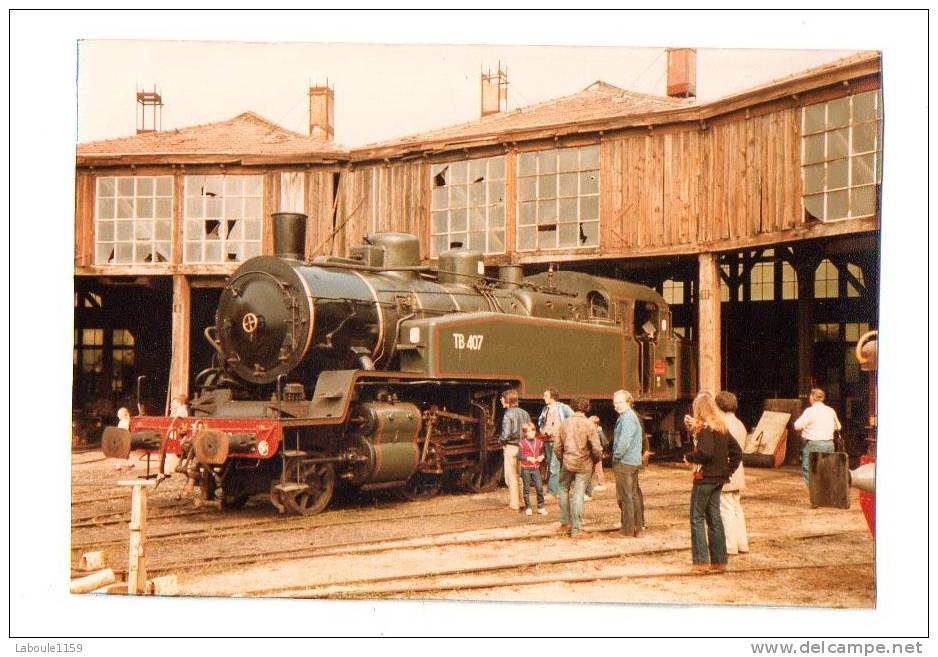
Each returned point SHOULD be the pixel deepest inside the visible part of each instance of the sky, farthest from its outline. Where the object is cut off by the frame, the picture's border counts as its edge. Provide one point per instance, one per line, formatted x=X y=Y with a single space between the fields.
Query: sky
x=382 y=91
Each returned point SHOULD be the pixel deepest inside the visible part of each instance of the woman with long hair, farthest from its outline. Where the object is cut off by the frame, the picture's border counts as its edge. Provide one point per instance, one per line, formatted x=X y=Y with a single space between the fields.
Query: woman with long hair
x=716 y=455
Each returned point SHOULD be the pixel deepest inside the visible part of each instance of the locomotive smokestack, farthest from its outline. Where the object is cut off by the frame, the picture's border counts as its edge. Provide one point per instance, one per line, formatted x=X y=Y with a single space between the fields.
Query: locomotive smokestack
x=510 y=276
x=289 y=234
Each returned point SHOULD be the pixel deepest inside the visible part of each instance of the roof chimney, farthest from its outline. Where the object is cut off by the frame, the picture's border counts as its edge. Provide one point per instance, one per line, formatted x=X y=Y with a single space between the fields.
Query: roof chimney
x=322 y=112
x=149 y=105
x=495 y=91
x=682 y=72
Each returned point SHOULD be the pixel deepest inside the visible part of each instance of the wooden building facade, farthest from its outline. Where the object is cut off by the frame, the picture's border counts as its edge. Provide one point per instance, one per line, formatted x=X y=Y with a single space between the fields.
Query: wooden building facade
x=752 y=198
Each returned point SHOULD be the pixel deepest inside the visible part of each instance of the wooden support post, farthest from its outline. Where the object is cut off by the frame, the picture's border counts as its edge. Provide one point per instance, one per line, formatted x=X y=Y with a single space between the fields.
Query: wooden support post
x=708 y=311
x=136 y=566
x=805 y=328
x=179 y=367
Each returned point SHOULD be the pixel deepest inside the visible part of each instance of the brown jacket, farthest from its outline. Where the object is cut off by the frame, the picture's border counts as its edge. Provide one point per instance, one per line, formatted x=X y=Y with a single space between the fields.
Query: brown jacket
x=577 y=446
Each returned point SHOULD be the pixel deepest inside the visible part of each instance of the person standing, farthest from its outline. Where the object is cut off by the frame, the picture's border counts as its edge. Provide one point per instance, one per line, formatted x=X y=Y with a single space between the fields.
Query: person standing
x=626 y=462
x=530 y=455
x=731 y=508
x=817 y=426
x=549 y=421
x=123 y=422
x=514 y=419
x=718 y=455
x=577 y=449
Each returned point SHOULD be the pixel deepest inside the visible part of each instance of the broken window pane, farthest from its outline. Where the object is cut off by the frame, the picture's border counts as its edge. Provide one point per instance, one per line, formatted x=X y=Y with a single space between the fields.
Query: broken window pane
x=814 y=206
x=211 y=227
x=590 y=231
x=458 y=240
x=162 y=251
x=104 y=254
x=214 y=186
x=234 y=230
x=589 y=182
x=477 y=170
x=143 y=252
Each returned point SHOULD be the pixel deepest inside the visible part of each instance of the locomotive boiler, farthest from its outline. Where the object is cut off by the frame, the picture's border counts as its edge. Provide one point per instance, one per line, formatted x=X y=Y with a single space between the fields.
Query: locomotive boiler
x=375 y=371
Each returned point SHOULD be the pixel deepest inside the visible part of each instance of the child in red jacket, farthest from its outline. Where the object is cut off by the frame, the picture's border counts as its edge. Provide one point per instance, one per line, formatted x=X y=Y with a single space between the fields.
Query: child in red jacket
x=530 y=455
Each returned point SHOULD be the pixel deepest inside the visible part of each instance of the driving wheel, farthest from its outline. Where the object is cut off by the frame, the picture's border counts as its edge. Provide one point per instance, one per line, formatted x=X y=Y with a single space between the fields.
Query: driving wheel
x=317 y=484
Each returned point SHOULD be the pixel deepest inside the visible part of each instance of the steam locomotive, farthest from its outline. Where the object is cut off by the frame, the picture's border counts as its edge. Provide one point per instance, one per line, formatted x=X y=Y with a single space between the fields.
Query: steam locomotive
x=378 y=372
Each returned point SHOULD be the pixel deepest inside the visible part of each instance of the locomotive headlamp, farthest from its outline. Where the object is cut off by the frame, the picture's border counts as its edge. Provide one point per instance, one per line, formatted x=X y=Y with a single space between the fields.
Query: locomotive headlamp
x=263 y=448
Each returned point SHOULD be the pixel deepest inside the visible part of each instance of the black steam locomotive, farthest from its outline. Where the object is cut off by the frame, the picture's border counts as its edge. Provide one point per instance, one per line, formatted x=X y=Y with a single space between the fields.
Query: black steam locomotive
x=380 y=372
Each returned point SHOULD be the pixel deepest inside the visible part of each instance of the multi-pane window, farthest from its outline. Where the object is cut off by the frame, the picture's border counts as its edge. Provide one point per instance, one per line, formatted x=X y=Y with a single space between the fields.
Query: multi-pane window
x=854 y=330
x=558 y=198
x=122 y=358
x=826 y=280
x=762 y=281
x=725 y=288
x=789 y=281
x=827 y=332
x=673 y=292
x=133 y=219
x=90 y=350
x=842 y=156
x=857 y=273
x=468 y=205
x=222 y=218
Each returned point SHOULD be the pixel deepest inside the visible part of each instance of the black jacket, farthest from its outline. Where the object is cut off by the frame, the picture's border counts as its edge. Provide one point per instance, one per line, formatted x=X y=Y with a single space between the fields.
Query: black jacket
x=718 y=453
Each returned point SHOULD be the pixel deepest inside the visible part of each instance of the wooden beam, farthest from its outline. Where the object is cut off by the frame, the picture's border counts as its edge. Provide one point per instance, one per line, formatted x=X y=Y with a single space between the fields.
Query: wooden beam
x=708 y=308
x=179 y=366
x=807 y=265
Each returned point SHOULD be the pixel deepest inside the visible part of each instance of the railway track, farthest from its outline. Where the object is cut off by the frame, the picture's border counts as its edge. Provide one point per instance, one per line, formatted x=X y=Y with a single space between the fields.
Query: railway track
x=359 y=586
x=399 y=542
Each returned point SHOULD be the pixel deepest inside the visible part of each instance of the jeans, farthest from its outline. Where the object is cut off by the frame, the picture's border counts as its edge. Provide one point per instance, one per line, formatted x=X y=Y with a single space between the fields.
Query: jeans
x=707 y=545
x=813 y=446
x=553 y=472
x=532 y=477
x=629 y=497
x=572 y=516
x=512 y=478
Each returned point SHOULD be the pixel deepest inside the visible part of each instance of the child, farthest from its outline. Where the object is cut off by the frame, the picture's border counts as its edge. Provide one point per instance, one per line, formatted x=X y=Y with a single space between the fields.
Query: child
x=530 y=455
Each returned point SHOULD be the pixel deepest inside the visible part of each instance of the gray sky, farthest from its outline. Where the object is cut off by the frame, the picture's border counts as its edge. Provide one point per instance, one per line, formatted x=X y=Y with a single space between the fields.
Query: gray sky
x=382 y=91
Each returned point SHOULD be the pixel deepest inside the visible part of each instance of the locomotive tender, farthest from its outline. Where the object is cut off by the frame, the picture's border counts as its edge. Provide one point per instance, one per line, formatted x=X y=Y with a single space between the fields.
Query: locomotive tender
x=379 y=372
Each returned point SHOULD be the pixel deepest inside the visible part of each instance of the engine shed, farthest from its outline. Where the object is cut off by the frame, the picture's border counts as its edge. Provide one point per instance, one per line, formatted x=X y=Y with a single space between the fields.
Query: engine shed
x=756 y=216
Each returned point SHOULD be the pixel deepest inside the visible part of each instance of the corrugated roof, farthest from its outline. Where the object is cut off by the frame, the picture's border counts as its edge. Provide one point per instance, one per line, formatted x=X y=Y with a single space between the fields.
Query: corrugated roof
x=599 y=100
x=246 y=134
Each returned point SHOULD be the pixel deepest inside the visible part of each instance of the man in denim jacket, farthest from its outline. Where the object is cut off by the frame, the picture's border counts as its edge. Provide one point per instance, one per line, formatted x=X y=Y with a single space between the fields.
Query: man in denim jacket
x=626 y=461
x=548 y=423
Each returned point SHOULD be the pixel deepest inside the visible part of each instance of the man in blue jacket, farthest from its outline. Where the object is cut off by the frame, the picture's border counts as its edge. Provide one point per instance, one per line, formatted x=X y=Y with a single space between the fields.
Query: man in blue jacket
x=552 y=416
x=626 y=461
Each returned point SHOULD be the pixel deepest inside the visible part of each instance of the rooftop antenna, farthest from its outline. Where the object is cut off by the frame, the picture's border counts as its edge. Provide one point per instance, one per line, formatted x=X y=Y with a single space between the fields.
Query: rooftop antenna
x=494 y=90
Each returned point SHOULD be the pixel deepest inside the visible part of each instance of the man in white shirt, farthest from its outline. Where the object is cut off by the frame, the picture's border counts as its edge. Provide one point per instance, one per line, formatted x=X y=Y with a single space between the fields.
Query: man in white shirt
x=731 y=508
x=817 y=425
